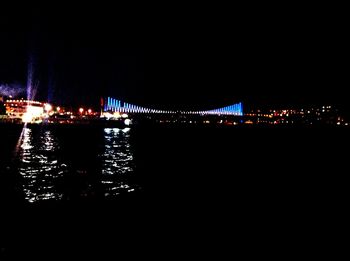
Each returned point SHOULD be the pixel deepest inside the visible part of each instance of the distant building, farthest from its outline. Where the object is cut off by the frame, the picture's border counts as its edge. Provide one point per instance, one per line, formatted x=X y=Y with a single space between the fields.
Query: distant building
x=27 y=111
x=317 y=115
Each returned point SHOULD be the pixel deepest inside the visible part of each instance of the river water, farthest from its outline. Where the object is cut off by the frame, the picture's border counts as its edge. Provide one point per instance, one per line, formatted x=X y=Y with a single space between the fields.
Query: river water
x=53 y=164
x=199 y=184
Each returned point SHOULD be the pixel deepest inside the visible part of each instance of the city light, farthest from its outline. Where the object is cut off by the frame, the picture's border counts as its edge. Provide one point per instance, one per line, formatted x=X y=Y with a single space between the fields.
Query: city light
x=117 y=110
x=32 y=113
x=48 y=107
x=116 y=115
x=26 y=118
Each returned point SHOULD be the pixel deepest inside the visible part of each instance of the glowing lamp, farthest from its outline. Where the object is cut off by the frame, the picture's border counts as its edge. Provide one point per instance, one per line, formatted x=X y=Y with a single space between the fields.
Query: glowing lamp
x=27 y=117
x=116 y=115
x=89 y=111
x=48 y=107
x=81 y=110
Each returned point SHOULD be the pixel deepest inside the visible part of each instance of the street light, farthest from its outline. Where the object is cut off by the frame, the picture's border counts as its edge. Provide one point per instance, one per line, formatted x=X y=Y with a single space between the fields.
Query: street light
x=81 y=110
x=48 y=107
x=89 y=111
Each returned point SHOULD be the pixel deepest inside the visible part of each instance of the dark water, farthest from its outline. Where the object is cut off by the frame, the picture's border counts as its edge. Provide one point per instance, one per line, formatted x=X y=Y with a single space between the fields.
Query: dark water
x=108 y=190
x=60 y=164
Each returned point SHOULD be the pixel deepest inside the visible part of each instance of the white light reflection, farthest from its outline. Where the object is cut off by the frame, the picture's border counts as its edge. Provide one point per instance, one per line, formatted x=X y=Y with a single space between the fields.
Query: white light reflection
x=39 y=165
x=117 y=162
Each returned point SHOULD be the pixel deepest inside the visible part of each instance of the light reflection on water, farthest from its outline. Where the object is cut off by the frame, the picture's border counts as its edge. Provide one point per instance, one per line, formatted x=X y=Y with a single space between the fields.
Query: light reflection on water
x=39 y=166
x=45 y=174
x=117 y=162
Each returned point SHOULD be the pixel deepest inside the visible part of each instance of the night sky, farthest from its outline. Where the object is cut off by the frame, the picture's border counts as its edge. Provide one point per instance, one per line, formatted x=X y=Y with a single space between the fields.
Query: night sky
x=197 y=57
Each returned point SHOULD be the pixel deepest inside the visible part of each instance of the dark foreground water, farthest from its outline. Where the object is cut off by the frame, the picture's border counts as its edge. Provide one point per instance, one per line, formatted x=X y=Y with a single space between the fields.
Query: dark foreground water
x=60 y=164
x=94 y=190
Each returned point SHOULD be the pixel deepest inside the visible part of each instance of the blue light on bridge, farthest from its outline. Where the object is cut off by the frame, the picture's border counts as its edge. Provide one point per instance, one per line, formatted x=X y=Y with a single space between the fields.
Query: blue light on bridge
x=114 y=105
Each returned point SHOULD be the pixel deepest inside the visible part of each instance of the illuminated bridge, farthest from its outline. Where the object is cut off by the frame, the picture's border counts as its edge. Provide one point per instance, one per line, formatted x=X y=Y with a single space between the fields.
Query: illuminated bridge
x=113 y=105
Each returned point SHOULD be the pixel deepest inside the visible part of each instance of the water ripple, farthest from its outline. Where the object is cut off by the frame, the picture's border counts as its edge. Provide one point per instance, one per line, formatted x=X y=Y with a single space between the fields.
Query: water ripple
x=47 y=177
x=39 y=167
x=117 y=162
